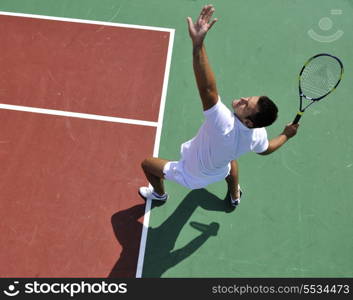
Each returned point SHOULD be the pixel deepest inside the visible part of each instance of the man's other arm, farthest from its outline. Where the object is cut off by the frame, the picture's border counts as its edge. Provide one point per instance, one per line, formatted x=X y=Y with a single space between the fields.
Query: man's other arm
x=274 y=144
x=204 y=75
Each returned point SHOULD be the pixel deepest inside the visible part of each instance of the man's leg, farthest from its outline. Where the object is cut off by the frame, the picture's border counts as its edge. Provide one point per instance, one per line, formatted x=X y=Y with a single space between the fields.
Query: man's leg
x=233 y=180
x=153 y=168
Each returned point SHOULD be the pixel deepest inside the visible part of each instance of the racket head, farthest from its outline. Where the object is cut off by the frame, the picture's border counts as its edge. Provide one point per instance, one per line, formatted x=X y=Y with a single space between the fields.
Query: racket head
x=319 y=76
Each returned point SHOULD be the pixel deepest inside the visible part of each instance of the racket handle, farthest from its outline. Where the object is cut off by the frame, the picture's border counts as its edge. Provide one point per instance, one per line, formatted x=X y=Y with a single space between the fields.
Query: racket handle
x=297 y=117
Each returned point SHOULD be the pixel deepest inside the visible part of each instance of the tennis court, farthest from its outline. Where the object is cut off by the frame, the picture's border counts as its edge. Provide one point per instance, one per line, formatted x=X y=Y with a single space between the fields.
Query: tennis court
x=89 y=88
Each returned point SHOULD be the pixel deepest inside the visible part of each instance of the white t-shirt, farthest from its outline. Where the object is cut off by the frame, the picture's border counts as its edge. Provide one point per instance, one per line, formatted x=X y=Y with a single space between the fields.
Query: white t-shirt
x=221 y=138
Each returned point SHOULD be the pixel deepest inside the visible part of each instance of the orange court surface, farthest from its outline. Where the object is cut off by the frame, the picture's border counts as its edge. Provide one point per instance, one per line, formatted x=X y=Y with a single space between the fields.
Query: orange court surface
x=81 y=111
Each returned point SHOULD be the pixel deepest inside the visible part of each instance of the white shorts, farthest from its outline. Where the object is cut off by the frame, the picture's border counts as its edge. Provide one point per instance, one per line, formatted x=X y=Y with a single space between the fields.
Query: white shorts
x=174 y=171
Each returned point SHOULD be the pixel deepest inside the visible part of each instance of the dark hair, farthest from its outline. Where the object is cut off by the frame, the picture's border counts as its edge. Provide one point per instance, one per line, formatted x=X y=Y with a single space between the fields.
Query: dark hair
x=267 y=113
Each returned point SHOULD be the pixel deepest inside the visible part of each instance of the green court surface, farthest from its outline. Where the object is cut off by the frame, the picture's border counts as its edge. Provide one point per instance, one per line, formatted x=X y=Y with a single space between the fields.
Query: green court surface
x=296 y=215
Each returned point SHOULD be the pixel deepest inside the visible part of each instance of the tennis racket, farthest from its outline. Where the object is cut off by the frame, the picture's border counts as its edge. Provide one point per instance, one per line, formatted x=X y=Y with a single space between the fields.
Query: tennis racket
x=319 y=77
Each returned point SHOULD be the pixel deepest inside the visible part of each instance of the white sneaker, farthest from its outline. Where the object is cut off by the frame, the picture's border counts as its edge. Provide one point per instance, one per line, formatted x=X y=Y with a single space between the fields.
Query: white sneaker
x=149 y=194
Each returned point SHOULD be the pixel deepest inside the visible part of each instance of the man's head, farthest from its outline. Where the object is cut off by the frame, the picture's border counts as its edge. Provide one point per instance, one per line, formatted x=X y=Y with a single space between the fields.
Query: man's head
x=255 y=111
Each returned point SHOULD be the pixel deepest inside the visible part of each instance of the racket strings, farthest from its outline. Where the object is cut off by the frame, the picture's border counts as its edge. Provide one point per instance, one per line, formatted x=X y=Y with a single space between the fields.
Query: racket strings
x=317 y=80
x=320 y=76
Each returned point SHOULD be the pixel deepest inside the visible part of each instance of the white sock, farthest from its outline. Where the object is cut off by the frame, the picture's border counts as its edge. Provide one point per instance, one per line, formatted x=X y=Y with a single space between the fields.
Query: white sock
x=157 y=195
x=234 y=200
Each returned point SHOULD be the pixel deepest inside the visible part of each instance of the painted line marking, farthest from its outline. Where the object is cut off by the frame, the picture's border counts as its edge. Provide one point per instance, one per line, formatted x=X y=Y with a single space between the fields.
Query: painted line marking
x=82 y=21
x=77 y=115
x=146 y=219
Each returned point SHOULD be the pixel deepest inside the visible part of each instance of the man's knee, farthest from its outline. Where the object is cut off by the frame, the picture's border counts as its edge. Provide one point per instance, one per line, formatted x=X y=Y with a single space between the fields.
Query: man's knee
x=145 y=164
x=154 y=166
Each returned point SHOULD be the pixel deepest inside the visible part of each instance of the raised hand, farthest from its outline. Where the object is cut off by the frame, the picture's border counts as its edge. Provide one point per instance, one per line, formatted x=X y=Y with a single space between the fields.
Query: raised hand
x=203 y=24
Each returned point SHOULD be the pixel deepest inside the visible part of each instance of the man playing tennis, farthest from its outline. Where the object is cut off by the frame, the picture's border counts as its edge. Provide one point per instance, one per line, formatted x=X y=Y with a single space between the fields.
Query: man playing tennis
x=225 y=135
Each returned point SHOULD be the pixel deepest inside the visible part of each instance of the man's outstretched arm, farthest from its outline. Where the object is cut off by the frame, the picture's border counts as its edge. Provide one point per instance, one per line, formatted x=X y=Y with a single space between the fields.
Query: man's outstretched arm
x=204 y=75
x=289 y=131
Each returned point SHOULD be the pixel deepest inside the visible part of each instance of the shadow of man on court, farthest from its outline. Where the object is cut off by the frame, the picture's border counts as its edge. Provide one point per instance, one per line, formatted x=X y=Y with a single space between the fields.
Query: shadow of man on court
x=127 y=229
x=160 y=252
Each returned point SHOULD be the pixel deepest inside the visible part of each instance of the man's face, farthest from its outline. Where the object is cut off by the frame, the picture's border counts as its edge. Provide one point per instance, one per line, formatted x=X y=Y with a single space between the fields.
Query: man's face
x=245 y=107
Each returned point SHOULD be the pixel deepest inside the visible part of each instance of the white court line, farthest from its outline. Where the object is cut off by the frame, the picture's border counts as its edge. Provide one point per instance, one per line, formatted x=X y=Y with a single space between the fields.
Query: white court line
x=73 y=20
x=159 y=124
x=76 y=115
x=146 y=219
